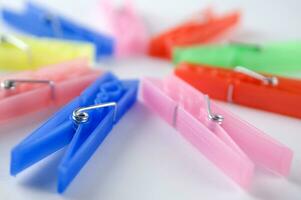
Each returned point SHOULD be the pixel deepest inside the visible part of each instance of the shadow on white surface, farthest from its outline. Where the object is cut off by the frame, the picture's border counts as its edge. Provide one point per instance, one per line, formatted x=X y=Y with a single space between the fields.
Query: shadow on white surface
x=42 y=175
x=269 y=186
x=295 y=176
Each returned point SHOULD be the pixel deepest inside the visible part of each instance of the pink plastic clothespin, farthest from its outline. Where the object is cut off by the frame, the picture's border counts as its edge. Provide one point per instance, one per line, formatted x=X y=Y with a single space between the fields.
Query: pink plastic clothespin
x=232 y=144
x=30 y=91
x=128 y=28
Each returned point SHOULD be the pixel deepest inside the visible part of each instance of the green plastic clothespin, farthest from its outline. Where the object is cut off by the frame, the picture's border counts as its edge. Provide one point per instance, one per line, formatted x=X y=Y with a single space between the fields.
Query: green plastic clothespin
x=275 y=58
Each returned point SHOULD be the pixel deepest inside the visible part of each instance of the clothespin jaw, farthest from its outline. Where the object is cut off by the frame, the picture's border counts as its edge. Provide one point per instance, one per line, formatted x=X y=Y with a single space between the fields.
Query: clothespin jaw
x=20 y=53
x=192 y=33
x=41 y=22
x=274 y=58
x=84 y=123
x=233 y=145
x=30 y=91
x=245 y=87
x=128 y=28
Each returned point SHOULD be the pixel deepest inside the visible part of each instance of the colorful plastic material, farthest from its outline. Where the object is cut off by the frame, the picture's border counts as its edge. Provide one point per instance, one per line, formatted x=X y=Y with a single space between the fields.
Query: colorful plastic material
x=56 y=85
x=196 y=31
x=242 y=86
x=21 y=53
x=41 y=22
x=282 y=58
x=128 y=28
x=233 y=145
x=82 y=128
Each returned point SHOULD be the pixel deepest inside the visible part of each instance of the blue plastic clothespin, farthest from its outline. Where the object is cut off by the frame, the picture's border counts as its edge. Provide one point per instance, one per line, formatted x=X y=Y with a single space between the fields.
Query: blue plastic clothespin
x=41 y=22
x=83 y=124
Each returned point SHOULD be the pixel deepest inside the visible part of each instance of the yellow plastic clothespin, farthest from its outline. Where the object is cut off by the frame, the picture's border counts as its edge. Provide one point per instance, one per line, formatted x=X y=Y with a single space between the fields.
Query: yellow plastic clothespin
x=21 y=53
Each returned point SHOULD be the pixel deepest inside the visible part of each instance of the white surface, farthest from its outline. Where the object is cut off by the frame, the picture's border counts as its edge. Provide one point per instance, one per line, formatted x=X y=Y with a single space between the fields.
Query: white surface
x=144 y=158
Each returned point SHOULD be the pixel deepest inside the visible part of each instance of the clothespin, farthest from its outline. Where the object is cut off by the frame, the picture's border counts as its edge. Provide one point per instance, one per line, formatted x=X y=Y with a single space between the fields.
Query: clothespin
x=30 y=91
x=245 y=87
x=232 y=144
x=193 y=32
x=20 y=53
x=128 y=28
x=41 y=22
x=280 y=58
x=82 y=124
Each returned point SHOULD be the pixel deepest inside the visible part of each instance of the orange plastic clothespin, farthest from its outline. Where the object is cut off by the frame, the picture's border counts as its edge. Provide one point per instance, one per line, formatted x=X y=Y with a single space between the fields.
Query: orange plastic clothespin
x=245 y=87
x=194 y=31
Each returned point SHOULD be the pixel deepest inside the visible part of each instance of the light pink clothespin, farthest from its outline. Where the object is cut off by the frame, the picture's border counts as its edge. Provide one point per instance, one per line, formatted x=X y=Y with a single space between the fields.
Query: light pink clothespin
x=232 y=144
x=128 y=28
x=30 y=91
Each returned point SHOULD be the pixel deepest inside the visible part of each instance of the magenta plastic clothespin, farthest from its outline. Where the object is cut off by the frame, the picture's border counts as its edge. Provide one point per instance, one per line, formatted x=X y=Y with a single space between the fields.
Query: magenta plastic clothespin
x=128 y=28
x=30 y=91
x=232 y=144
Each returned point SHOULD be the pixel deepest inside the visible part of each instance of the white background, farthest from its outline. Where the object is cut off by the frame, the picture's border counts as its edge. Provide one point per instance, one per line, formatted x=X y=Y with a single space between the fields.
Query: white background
x=144 y=158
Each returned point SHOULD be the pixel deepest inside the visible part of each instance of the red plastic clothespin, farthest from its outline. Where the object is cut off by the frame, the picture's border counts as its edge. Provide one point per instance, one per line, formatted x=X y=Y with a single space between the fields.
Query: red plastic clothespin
x=194 y=31
x=245 y=87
